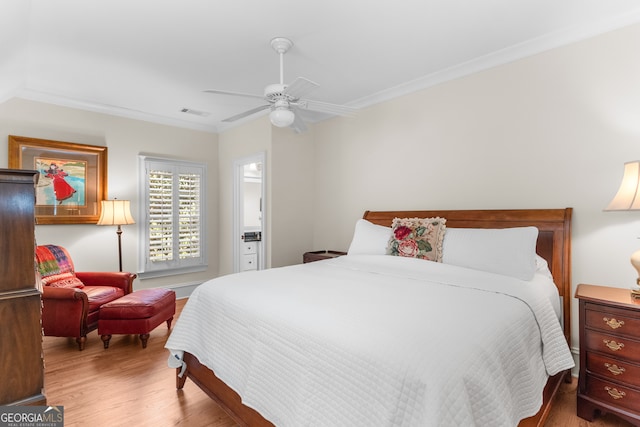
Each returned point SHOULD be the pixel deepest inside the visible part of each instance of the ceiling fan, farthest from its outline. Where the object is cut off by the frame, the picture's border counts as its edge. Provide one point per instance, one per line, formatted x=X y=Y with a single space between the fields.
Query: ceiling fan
x=286 y=101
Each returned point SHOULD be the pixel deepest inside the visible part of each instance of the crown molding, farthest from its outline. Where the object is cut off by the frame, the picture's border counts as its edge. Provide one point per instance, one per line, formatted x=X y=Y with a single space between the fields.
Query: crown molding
x=49 y=98
x=501 y=57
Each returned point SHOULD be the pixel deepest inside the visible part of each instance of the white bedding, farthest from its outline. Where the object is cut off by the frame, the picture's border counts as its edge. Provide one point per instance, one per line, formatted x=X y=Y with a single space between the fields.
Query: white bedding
x=375 y=340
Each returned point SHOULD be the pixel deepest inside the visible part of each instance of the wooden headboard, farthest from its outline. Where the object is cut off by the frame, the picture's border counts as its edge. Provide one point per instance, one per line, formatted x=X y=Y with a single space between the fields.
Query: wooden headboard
x=554 y=238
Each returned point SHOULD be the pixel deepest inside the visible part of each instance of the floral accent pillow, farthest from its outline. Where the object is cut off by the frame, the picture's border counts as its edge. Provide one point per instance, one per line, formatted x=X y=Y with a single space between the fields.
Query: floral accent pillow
x=417 y=238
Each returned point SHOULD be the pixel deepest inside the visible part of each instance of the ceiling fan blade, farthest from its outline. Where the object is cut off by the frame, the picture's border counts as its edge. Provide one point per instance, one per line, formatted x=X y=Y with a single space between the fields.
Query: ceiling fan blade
x=300 y=87
x=246 y=113
x=325 y=107
x=298 y=124
x=246 y=95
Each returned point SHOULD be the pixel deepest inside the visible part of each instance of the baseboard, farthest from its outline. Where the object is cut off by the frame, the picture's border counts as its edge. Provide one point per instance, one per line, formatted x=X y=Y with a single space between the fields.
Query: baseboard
x=575 y=352
x=183 y=290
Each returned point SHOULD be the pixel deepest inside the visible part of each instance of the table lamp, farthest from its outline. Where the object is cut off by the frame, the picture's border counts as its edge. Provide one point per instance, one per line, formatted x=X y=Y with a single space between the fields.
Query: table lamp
x=628 y=199
x=116 y=212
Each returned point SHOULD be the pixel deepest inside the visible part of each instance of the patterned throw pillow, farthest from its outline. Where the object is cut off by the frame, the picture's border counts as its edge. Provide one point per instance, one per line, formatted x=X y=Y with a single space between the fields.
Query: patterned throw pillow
x=63 y=280
x=417 y=237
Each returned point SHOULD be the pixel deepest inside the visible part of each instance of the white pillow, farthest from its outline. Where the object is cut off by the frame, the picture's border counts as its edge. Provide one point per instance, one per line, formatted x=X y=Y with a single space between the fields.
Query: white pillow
x=506 y=251
x=542 y=267
x=369 y=239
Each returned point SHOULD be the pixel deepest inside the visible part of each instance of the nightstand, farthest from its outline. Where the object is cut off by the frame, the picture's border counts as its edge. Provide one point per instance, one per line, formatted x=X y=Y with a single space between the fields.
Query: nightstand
x=609 y=353
x=320 y=255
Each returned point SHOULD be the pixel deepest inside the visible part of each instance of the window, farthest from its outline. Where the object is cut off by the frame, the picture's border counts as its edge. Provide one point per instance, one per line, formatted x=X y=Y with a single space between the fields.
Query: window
x=174 y=214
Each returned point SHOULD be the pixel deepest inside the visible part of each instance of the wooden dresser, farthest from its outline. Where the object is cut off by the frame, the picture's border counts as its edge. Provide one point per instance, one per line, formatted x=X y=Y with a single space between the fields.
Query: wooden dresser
x=609 y=353
x=21 y=365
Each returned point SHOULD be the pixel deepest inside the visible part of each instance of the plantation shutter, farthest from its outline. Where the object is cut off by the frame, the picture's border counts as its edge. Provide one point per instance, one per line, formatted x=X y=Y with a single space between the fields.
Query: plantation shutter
x=174 y=207
x=160 y=215
x=189 y=216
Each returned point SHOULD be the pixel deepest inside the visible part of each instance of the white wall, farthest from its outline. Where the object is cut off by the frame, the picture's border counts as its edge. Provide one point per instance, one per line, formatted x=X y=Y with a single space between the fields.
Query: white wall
x=289 y=173
x=234 y=144
x=549 y=131
x=292 y=196
x=95 y=248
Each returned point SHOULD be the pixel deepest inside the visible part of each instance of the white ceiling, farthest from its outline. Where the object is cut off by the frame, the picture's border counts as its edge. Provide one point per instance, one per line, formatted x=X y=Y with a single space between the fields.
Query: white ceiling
x=149 y=59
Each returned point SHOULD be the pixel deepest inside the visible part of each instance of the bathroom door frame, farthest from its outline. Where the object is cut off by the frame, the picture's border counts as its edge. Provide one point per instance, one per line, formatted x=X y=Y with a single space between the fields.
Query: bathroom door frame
x=238 y=209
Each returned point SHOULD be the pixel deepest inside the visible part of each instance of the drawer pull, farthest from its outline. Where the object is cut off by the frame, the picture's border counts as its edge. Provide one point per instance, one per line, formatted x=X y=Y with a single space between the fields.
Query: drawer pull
x=613 y=392
x=615 y=346
x=613 y=323
x=614 y=369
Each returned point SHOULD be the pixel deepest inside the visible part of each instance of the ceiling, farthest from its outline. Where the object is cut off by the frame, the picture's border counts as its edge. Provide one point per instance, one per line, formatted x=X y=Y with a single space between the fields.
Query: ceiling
x=150 y=59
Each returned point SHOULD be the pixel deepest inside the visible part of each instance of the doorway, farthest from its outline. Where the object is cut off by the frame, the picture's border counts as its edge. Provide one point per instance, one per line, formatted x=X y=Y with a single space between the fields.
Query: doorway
x=249 y=221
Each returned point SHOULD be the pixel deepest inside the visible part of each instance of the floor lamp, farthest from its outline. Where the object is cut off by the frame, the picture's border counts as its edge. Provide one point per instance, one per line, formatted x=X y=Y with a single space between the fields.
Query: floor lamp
x=116 y=212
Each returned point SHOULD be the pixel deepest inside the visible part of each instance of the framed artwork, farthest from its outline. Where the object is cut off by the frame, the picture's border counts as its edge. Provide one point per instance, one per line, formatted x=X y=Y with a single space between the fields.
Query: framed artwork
x=72 y=178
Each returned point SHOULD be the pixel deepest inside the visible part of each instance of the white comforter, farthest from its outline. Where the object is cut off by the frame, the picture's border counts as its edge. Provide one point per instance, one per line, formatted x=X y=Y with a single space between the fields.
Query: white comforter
x=376 y=341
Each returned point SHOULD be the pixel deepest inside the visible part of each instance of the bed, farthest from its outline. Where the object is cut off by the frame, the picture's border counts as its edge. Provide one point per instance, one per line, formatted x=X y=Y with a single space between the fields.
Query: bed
x=383 y=366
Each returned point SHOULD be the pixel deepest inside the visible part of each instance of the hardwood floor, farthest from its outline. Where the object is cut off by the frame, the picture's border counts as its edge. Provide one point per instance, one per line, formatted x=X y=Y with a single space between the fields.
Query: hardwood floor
x=563 y=412
x=124 y=385
x=127 y=385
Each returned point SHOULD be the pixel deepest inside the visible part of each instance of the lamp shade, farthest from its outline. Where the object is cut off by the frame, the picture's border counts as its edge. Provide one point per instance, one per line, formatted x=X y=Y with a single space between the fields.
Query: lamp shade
x=282 y=117
x=116 y=212
x=628 y=196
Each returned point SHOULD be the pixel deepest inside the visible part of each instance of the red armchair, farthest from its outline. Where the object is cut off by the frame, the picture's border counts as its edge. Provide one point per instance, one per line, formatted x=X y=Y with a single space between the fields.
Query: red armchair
x=71 y=300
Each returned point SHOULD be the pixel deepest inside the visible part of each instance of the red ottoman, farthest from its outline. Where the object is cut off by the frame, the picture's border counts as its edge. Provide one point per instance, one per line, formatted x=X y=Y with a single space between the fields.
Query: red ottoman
x=139 y=312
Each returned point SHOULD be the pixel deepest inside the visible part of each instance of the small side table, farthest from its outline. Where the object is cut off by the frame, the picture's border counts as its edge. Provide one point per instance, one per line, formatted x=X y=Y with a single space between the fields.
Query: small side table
x=320 y=255
x=609 y=353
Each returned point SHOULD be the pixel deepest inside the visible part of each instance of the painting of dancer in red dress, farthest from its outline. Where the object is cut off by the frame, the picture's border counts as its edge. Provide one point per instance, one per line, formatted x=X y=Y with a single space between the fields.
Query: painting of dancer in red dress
x=63 y=182
x=61 y=188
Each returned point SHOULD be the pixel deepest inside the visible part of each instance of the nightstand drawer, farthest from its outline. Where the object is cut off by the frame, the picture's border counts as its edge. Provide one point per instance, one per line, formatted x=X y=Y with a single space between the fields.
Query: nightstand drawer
x=618 y=347
x=613 y=393
x=614 y=369
x=612 y=321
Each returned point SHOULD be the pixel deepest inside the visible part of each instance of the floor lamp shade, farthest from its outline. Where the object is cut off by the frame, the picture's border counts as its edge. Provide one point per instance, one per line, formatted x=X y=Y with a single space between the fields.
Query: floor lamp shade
x=116 y=212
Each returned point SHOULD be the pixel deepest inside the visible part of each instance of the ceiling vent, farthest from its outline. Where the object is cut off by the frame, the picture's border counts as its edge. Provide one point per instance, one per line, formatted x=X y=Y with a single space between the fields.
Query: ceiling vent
x=195 y=112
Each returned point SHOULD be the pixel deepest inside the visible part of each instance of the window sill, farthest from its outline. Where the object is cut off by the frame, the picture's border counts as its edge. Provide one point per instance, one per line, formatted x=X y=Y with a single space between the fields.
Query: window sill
x=170 y=272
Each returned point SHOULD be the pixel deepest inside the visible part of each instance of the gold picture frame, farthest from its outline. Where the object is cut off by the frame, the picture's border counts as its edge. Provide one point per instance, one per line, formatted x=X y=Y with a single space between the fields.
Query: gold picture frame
x=72 y=178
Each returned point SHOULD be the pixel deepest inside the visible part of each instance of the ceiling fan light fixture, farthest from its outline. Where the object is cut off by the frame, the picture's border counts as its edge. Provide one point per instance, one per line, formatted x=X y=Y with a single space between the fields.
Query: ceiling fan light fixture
x=281 y=117
x=285 y=101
